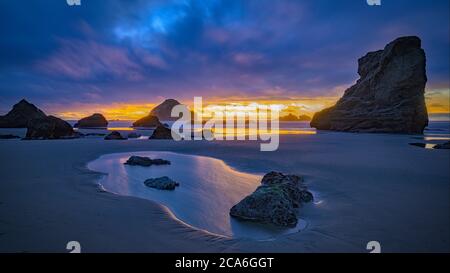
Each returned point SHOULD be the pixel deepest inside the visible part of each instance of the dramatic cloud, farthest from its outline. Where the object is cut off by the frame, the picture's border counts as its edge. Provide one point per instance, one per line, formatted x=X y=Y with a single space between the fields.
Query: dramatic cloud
x=114 y=51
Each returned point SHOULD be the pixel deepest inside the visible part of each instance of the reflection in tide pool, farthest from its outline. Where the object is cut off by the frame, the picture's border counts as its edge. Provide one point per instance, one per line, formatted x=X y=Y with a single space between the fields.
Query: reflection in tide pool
x=208 y=189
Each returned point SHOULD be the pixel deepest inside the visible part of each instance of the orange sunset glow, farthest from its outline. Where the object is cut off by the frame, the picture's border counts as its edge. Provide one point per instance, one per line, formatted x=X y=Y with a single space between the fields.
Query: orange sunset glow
x=438 y=102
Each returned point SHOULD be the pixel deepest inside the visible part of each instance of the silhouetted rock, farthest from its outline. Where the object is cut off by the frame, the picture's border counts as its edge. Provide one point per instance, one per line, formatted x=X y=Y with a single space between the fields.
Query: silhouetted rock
x=9 y=137
x=164 y=110
x=275 y=201
x=292 y=117
x=443 y=146
x=145 y=161
x=389 y=96
x=161 y=132
x=162 y=183
x=114 y=136
x=94 y=121
x=149 y=121
x=49 y=127
x=20 y=115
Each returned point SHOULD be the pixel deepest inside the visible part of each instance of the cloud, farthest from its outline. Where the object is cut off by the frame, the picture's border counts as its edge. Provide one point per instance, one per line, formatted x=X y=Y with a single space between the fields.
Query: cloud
x=88 y=60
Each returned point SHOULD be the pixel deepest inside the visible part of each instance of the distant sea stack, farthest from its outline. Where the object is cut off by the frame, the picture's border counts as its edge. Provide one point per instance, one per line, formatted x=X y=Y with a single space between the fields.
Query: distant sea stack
x=164 y=110
x=292 y=117
x=38 y=124
x=149 y=121
x=21 y=113
x=388 y=97
x=94 y=121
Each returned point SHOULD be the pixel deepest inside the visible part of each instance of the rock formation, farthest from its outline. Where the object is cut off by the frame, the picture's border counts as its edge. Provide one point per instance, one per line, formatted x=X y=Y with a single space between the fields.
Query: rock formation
x=275 y=201
x=292 y=117
x=20 y=115
x=145 y=161
x=49 y=127
x=114 y=136
x=161 y=132
x=94 y=121
x=162 y=183
x=164 y=110
x=149 y=121
x=388 y=97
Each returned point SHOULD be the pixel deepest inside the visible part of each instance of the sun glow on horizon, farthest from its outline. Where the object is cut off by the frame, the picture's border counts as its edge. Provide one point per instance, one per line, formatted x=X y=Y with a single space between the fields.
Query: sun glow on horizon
x=438 y=102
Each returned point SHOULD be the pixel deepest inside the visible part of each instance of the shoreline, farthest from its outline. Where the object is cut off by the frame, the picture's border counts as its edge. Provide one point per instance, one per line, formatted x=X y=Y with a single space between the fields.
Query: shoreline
x=60 y=200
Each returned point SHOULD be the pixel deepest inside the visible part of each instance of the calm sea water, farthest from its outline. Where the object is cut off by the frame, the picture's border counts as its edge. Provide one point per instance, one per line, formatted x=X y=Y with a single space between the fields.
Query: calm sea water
x=208 y=189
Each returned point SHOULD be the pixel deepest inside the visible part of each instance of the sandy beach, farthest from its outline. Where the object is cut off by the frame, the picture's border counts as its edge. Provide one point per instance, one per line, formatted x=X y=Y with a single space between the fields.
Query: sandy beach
x=367 y=187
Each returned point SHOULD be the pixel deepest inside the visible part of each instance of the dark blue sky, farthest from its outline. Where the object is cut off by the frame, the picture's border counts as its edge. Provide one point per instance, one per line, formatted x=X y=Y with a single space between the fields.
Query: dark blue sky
x=133 y=51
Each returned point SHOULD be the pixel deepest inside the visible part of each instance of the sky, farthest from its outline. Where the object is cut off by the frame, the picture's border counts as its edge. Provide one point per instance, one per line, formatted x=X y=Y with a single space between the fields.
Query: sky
x=122 y=57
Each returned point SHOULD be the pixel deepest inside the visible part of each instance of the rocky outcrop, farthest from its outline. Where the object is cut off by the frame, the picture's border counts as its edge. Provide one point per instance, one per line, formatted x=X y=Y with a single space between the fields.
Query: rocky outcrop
x=149 y=121
x=94 y=121
x=276 y=201
x=161 y=132
x=145 y=161
x=164 y=110
x=21 y=113
x=443 y=146
x=388 y=97
x=162 y=183
x=292 y=117
x=114 y=136
x=49 y=127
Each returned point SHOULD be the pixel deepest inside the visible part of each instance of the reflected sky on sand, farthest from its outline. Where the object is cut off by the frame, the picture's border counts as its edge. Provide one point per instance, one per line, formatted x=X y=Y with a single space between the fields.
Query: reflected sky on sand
x=208 y=189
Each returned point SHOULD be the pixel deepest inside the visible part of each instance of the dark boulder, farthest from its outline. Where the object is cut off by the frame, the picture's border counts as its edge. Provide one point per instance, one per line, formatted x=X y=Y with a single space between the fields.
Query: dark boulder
x=114 y=136
x=145 y=161
x=161 y=132
x=21 y=113
x=149 y=121
x=49 y=127
x=276 y=201
x=162 y=183
x=94 y=121
x=388 y=97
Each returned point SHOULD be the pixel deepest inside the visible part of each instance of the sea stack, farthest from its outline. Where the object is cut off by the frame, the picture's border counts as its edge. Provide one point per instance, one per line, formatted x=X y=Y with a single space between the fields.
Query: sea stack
x=20 y=115
x=149 y=121
x=94 y=121
x=389 y=97
x=49 y=127
x=164 y=110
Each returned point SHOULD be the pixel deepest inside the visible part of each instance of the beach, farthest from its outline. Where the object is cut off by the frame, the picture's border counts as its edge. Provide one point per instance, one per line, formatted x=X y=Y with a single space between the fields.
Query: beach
x=367 y=187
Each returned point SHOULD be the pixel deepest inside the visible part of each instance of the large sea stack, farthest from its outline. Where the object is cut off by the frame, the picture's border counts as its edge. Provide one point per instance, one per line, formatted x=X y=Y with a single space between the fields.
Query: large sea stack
x=164 y=110
x=94 y=121
x=388 y=97
x=21 y=113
